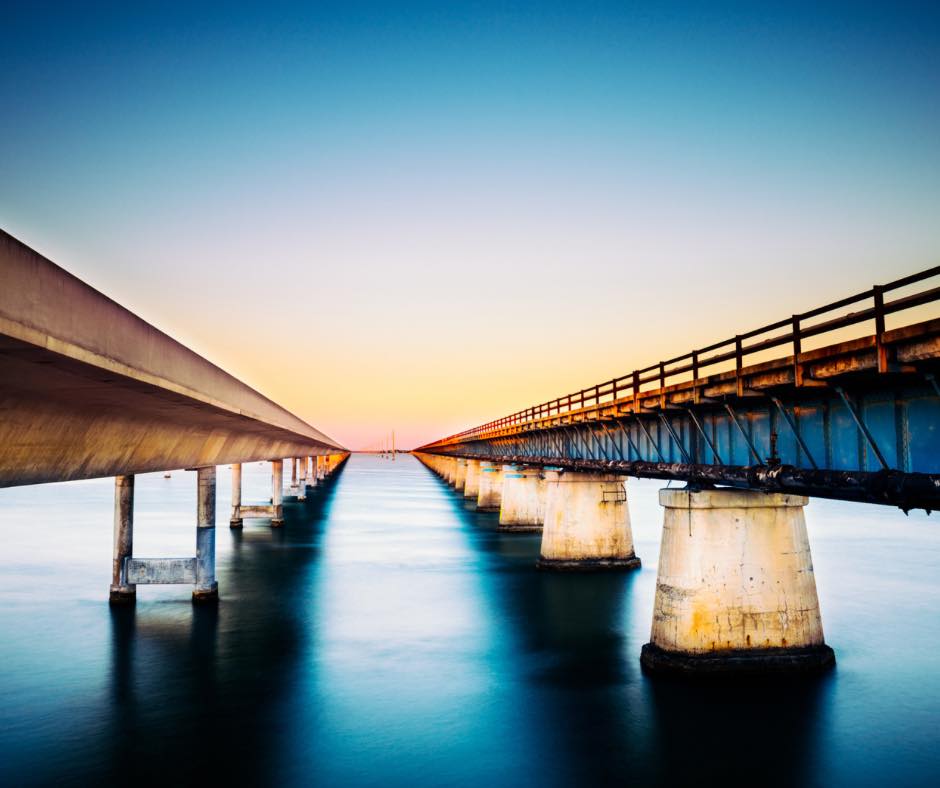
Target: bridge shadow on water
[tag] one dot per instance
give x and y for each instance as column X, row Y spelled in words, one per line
column 223, row 682
column 594, row 717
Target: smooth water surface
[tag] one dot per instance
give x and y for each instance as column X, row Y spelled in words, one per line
column 388, row 635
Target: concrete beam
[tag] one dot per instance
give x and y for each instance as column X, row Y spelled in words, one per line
column 89, row 390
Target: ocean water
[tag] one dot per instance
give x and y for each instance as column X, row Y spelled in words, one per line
column 388, row 635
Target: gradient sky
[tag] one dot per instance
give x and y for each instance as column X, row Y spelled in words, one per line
column 426, row 216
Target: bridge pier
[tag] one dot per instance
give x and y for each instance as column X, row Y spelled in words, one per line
column 491, row 487
column 293, row 476
column 122, row 592
column 471, row 487
column 302, row 478
column 460, row 478
column 522, row 507
column 236, row 519
column 206, row 588
column 735, row 590
column 128, row 572
column 310, row 464
column 450, row 470
column 587, row 523
column 277, row 493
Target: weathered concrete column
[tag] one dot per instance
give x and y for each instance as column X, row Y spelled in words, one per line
column 735, row 590
column 302, row 479
column 471, row 487
column 449, row 469
column 206, row 588
column 277, row 493
column 460, row 474
column 522, row 507
column 587, row 523
column 293, row 476
column 311, row 472
column 491, row 487
column 121, row 591
column 236, row 519
column 321, row 468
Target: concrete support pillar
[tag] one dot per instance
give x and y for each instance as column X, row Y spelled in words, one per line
column 491, row 487
column 321, row 468
column 471, row 487
column 236, row 519
column 522, row 507
column 301, row 478
column 122, row 591
column 311, row 463
column 735, row 590
column 293, row 475
column 460, row 474
column 206, row 589
column 587, row 523
column 277, row 493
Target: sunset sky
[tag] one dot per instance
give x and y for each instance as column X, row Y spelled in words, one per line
column 421, row 217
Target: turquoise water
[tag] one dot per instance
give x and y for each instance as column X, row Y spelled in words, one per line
column 388, row 635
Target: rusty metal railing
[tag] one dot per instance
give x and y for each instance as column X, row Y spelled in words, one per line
column 736, row 349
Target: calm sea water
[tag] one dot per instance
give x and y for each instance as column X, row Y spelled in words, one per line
column 389, row 636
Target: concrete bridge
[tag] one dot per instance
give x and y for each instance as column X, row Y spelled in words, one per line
column 88, row 389
column 753, row 425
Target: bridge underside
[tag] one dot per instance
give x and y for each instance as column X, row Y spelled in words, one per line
column 847, row 431
column 63, row 419
column 88, row 389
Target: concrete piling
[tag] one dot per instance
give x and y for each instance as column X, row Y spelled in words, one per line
column 587, row 523
column 490, row 484
column 471, row 488
column 301, row 478
column 522, row 507
column 206, row 588
column 236, row 519
column 460, row 474
column 735, row 590
column 277, row 493
column 121, row 591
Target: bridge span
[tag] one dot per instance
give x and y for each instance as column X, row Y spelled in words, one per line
column 89, row 390
column 754, row 425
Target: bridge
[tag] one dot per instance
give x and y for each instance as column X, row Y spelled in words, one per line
column 841, row 401
column 89, row 390
column 754, row 425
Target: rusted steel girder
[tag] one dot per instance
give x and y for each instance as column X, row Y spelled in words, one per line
column 889, row 487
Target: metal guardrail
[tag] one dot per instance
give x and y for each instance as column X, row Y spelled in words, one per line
column 733, row 349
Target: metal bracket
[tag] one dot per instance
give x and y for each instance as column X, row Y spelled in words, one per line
column 675, row 437
column 747, row 438
column 796, row 432
column 861, row 426
column 701, row 430
column 649, row 437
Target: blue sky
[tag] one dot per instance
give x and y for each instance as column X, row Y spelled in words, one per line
column 424, row 183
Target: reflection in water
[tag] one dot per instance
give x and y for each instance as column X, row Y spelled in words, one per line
column 389, row 635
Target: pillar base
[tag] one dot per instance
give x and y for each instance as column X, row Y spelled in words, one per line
column 809, row 659
column 588, row 564
column 121, row 596
column 519, row 529
column 277, row 523
column 206, row 595
column 235, row 523
column 488, row 508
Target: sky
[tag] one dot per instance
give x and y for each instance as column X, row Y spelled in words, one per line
column 420, row 217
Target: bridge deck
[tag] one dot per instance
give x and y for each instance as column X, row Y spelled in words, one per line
column 88, row 389
column 857, row 419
